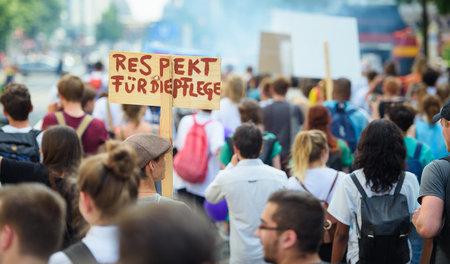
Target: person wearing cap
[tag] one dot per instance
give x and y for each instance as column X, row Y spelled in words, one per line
column 150, row 150
column 435, row 201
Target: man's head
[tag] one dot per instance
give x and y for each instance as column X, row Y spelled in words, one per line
column 342, row 90
column 292, row 223
column 248, row 141
column 150, row 150
column 16, row 101
column 402, row 115
column 32, row 219
column 165, row 233
column 71, row 88
column 444, row 116
column 430, row 77
column 88, row 99
column 281, row 85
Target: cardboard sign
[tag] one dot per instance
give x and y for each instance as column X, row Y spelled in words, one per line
column 142, row 79
column 275, row 53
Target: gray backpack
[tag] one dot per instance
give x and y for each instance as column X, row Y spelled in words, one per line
column 383, row 235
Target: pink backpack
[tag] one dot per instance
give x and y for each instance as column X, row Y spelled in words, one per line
column 191, row 162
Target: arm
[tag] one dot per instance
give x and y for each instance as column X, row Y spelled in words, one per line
column 427, row 248
column 427, row 219
column 276, row 162
column 340, row 242
column 214, row 193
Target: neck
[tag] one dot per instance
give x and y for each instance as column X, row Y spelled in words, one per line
column 73, row 109
column 301, row 259
column 23, row 260
column 19, row 124
column 279, row 97
column 146, row 188
column 317, row 164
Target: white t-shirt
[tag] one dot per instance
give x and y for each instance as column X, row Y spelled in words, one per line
column 346, row 202
column 318, row 181
column 228, row 114
column 215, row 132
column 102, row 241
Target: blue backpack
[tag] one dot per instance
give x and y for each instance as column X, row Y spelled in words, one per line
column 341, row 126
column 413, row 165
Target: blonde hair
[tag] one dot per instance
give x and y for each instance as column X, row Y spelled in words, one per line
column 308, row 147
column 235, row 88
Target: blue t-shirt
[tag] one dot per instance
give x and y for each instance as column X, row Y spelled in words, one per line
column 432, row 136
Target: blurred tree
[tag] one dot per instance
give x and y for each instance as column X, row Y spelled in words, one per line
column 443, row 7
column 32, row 16
column 109, row 28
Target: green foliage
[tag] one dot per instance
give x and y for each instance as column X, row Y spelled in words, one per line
column 32, row 16
column 110, row 28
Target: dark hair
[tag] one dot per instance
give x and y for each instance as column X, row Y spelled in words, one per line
column 319, row 118
column 402, row 115
column 248, row 140
column 147, row 230
column 281, row 85
column 250, row 111
column 381, row 154
column 37, row 215
column 133, row 112
column 62, row 151
column 71, row 88
column 89, row 94
column 16, row 101
column 371, row 75
column 303, row 213
column 431, row 105
column 98, row 66
column 111, row 179
column 342, row 89
column 430, row 77
column 390, row 69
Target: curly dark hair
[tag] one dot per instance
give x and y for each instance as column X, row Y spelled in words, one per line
column 381, row 154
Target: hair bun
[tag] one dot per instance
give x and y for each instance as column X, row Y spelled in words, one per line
column 121, row 161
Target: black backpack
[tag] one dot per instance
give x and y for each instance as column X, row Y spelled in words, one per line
column 441, row 243
column 383, row 235
column 267, row 149
column 79, row 253
column 20, row 146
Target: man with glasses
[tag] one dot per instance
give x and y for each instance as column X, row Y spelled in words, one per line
column 291, row 228
column 246, row 184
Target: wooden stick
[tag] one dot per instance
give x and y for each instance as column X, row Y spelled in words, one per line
column 328, row 80
column 165, row 122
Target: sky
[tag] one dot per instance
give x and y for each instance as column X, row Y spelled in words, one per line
column 147, row 10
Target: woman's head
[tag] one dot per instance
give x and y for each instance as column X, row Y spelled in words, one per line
column 235, row 88
column 62, row 150
column 319, row 118
column 110, row 179
column 133, row 113
column 431, row 105
column 381, row 154
column 391, row 86
column 250, row 111
column 309, row 146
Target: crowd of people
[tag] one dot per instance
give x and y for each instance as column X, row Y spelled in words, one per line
column 280, row 172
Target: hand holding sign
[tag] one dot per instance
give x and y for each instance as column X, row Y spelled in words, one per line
column 166, row 81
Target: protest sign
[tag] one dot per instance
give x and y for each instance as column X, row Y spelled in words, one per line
column 167, row 81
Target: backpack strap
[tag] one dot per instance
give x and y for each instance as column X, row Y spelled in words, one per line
column 79, row 253
column 84, row 124
column 332, row 185
column 358, row 185
column 203, row 125
column 60, row 118
column 230, row 143
column 399, row 184
column 418, row 150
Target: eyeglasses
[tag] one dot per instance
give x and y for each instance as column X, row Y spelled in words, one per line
column 263, row 227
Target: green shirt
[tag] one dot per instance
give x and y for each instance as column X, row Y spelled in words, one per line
column 226, row 153
column 346, row 153
column 426, row 154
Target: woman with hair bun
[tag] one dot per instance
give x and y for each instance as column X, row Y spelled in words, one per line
column 108, row 183
column 310, row 173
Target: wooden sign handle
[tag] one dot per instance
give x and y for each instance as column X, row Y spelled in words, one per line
column 165, row 130
column 328, row 80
